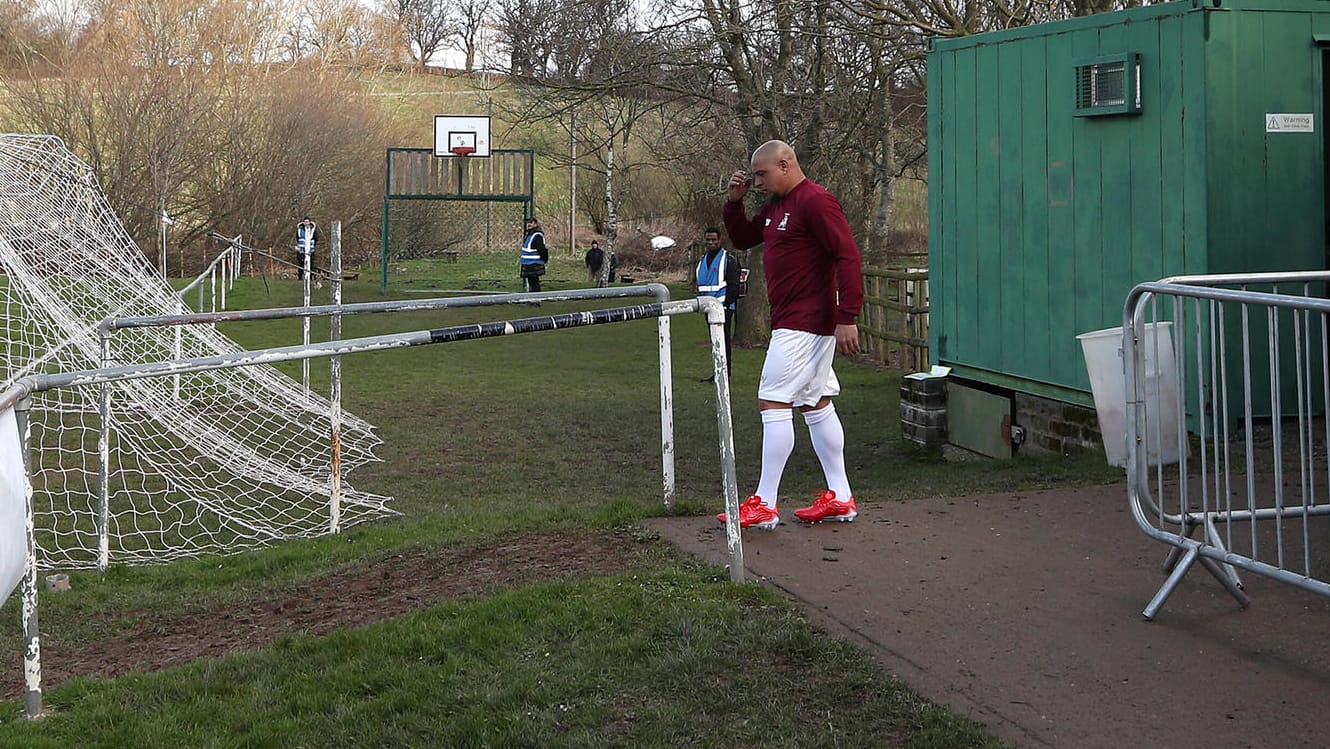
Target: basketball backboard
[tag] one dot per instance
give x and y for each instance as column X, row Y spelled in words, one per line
column 461, row 135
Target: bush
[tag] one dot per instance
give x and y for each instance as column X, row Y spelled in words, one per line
column 636, row 257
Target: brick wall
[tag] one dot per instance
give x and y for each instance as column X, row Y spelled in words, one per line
column 924, row 410
column 1051, row 426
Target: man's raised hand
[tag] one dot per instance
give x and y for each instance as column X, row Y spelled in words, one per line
column 738, row 187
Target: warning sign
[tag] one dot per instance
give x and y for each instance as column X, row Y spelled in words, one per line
column 1290, row 123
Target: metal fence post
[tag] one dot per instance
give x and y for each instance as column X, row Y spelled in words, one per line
column 304, row 369
column 161, row 263
column 32, row 649
column 104, row 462
column 666, row 410
column 335, row 374
column 383, row 249
column 715, row 313
column 179, row 350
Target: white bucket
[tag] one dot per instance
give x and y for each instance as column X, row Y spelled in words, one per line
column 1104, row 362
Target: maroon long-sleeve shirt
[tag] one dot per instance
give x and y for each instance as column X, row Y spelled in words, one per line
column 810, row 256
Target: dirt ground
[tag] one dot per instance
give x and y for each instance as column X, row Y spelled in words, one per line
column 401, row 584
column 1024, row 611
column 1021, row 610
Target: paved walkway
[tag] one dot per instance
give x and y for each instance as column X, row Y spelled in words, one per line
column 1023, row 611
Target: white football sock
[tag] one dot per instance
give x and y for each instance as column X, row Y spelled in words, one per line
column 824, row 428
column 777, row 444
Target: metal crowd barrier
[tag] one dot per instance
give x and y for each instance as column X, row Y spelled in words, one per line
column 1227, row 381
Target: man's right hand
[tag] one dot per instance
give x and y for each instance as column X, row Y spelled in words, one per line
column 738, row 187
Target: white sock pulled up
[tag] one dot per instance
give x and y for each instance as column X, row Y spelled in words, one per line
column 777, row 444
column 828, row 436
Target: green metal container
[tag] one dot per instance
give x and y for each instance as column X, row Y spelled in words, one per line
column 1072, row 160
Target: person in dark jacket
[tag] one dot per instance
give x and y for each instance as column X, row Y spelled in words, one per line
column 534, row 255
column 595, row 260
column 718, row 276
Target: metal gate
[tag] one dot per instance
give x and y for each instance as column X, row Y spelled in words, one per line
column 1252, row 381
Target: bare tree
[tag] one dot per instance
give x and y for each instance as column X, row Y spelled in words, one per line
column 471, row 18
column 18, row 31
column 594, row 71
column 344, row 31
column 424, row 24
column 527, row 32
column 157, row 101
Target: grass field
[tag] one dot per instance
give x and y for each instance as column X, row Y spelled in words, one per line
column 552, row 433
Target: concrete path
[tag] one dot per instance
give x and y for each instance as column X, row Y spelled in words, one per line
column 1023, row 611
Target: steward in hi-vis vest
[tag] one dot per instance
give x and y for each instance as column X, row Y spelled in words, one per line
column 718, row 276
column 534, row 255
column 713, row 274
column 307, row 240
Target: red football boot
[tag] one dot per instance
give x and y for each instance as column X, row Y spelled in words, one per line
column 826, row 507
column 754, row 514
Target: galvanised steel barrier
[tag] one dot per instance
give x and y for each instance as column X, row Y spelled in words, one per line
column 19, row 398
column 1246, row 409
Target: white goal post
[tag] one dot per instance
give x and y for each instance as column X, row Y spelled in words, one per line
column 19, row 396
column 229, row 460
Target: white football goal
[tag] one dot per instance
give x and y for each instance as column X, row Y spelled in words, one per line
column 230, row 459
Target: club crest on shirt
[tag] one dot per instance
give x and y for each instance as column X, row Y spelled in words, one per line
column 783, row 222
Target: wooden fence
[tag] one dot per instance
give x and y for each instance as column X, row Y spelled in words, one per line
column 894, row 321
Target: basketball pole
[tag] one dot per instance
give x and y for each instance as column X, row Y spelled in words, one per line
column 383, row 230
column 489, row 206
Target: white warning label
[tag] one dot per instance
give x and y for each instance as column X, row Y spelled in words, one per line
column 1290, row 123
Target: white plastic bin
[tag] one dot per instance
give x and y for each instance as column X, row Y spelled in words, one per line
column 1104, row 361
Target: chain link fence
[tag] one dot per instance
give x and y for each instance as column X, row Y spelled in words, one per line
column 441, row 228
column 442, row 207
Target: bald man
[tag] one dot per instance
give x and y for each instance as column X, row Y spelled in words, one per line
column 816, row 290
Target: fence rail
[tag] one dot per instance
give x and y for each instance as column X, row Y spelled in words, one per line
column 894, row 321
column 220, row 274
column 18, row 397
column 1226, row 384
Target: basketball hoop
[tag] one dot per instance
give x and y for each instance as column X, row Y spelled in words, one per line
column 462, row 142
column 461, row 136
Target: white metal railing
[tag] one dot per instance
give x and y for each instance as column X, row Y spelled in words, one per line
column 335, row 312
column 224, row 268
column 19, row 397
column 1246, row 407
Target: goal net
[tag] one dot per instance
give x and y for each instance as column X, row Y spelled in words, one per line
column 212, row 462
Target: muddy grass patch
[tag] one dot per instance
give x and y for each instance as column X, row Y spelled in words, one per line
column 397, row 585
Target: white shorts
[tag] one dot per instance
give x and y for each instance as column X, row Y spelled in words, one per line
column 798, row 368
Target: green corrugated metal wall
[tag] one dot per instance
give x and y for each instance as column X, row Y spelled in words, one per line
column 1041, row 222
